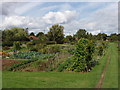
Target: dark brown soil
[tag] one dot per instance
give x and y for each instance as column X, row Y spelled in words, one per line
column 8, row 63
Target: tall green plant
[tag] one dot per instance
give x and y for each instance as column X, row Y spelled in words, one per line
column 82, row 58
column 16, row 45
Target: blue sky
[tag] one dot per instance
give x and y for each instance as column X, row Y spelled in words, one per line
column 95, row 17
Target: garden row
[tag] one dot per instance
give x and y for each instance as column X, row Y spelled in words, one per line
column 32, row 59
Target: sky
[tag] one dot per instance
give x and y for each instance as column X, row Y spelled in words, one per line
column 95, row 17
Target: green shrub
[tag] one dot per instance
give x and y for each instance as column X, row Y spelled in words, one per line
column 16, row 45
column 66, row 65
column 60, row 68
column 50, row 49
column 81, row 61
column 7, row 43
column 100, row 50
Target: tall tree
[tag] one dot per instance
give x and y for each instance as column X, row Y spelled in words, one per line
column 39, row 34
column 102, row 36
column 113, row 37
column 14, row 34
column 89, row 36
column 81, row 33
column 56, row 34
column 32, row 34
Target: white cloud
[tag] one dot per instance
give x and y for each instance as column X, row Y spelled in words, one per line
column 59, row 17
column 95, row 32
column 35, row 24
column 39, row 23
column 16, row 8
column 102, row 20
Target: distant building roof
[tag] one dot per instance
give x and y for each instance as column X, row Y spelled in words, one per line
column 33, row 38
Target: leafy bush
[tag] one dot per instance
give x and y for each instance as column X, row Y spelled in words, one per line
column 7, row 43
column 104, row 44
column 81, row 61
column 66, row 64
column 50, row 49
column 16, row 45
column 32, row 46
column 71, row 51
column 61, row 68
column 100, row 50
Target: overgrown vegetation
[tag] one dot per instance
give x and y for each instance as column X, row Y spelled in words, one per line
column 78, row 53
column 83, row 56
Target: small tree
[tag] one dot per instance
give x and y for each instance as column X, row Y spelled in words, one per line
column 81, row 33
column 56, row 34
column 32, row 34
column 40, row 34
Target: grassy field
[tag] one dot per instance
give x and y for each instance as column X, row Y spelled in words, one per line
column 66, row 79
column 111, row 76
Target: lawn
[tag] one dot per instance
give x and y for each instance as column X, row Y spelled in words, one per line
column 66, row 79
column 111, row 77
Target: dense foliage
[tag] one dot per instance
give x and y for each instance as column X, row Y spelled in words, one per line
column 13, row 34
column 81, row 61
column 16, row 45
column 56, row 34
column 79, row 52
column 85, row 56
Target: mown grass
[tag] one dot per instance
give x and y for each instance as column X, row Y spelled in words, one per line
column 56, row 79
column 111, row 76
column 0, row 79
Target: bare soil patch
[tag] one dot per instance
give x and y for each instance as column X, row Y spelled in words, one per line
column 8, row 63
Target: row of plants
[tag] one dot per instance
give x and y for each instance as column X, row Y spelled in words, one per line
column 83, row 56
column 40, row 57
column 26, row 55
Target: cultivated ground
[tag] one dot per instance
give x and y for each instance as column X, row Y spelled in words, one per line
column 108, row 67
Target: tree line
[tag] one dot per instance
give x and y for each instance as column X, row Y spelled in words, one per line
column 55, row 35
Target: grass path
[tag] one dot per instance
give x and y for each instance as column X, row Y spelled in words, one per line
column 99, row 85
column 111, row 75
